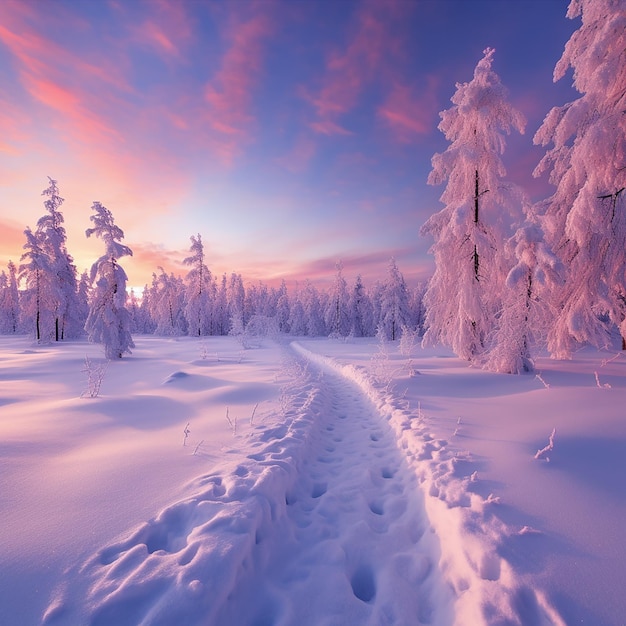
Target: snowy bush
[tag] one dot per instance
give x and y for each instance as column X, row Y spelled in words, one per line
column 95, row 376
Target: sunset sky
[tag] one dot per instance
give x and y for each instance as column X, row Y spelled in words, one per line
column 289, row 134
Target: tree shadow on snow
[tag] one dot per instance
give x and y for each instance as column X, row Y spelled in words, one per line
column 143, row 412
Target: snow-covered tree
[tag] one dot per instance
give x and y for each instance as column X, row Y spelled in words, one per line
column 585, row 218
column 395, row 313
column 462, row 297
column 282, row 308
column 199, row 297
column 167, row 305
column 108, row 321
column 35, row 271
column 221, row 319
column 526, row 310
column 236, row 301
column 9, row 301
column 297, row 316
column 337, row 313
column 418, row 309
column 313, row 310
column 361, row 311
column 63, row 283
column 83, row 294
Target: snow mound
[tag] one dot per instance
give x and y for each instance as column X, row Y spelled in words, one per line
column 181, row 566
column 192, row 382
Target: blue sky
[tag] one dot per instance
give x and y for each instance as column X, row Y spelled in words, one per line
column 290, row 134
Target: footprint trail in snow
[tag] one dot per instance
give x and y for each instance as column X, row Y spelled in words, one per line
column 354, row 546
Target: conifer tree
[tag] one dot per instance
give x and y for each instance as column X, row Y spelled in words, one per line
column 38, row 299
column 63, row 283
column 469, row 232
column 199, row 300
column 585, row 218
column 108, row 321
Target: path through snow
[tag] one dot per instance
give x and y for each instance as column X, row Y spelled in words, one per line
column 321, row 523
column 354, row 546
column 340, row 508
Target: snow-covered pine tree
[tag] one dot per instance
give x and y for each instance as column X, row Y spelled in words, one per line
column 526, row 311
column 236, row 302
column 337, row 315
column 361, row 311
column 395, row 313
column 462, row 297
column 38, row 299
column 199, row 300
column 221, row 318
column 283, row 308
column 108, row 321
column 167, row 305
column 313, row 310
column 297, row 316
column 585, row 218
column 63, row 281
column 9, row 301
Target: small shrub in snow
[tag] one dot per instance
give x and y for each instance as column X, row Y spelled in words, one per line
column 95, row 376
column 186, row 433
column 253, row 412
column 543, row 453
column 232, row 421
column 195, row 450
column 408, row 341
column 381, row 366
column 599, row 384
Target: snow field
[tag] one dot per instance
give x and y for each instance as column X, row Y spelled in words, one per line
column 346, row 486
column 321, row 524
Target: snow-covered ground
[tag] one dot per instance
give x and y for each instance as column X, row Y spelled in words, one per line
column 319, row 482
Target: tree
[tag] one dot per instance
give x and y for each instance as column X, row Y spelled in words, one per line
column 469, row 232
column 36, row 272
column 108, row 321
column 361, row 311
column 585, row 218
column 313, row 310
column 337, row 316
column 167, row 305
column 283, row 308
column 526, row 313
column 9, row 301
column 199, row 298
column 395, row 313
column 63, row 282
column 297, row 316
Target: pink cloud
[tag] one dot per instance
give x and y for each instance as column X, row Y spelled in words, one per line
column 409, row 114
column 167, row 30
column 327, row 127
column 83, row 96
column 371, row 267
column 13, row 125
column 229, row 94
column 147, row 257
column 371, row 53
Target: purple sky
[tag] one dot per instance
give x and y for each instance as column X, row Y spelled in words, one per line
column 290, row 134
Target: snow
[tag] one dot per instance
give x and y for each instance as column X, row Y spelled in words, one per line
column 321, row 482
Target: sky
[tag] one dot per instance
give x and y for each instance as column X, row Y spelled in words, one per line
column 291, row 134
